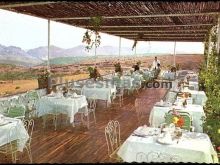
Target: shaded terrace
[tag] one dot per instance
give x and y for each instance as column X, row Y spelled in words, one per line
column 140, row 21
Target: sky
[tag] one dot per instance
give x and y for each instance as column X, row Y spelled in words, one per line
column 29, row 32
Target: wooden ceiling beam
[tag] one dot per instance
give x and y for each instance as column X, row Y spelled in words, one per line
column 140, row 16
column 24, row 4
column 171, row 34
column 142, row 26
column 152, row 31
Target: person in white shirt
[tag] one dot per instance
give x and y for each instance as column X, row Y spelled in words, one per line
column 155, row 63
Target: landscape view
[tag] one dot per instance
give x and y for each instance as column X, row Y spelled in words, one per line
column 109, row 82
column 19, row 69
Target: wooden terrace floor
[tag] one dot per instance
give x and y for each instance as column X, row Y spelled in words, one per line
column 80, row 145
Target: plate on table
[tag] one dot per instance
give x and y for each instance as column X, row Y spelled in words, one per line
column 4, row 122
column 164, row 141
column 75, row 97
column 50, row 95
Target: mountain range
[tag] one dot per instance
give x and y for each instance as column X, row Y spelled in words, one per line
column 36, row 56
column 18, row 56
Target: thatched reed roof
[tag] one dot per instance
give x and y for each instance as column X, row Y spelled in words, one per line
column 137, row 20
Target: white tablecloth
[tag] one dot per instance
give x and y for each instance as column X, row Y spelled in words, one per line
column 199, row 97
column 167, row 75
column 194, row 85
column 192, row 147
column 69, row 106
column 101, row 92
column 18, row 132
column 157, row 115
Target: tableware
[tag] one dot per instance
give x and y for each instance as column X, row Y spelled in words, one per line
column 165, row 138
column 4, row 123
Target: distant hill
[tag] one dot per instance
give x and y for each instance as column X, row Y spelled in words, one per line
column 38, row 56
column 17, row 56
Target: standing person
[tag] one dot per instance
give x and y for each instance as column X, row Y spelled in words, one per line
column 155, row 63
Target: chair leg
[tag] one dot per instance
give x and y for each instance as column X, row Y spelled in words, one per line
column 44, row 121
column 55, row 122
column 120, row 100
column 94, row 116
column 88, row 121
column 28, row 148
column 14, row 157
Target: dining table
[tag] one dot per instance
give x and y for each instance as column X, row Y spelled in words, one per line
column 199, row 97
column 63, row 105
column 100, row 90
column 157, row 114
column 147, row 144
column 17, row 132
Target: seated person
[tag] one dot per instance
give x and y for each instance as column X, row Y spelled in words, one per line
column 97, row 73
column 55, row 92
column 65, row 91
column 136, row 67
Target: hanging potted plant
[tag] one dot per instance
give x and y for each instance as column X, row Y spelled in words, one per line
column 134, row 45
column 140, row 36
column 92, row 37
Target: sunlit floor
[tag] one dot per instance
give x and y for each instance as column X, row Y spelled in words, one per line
column 80, row 145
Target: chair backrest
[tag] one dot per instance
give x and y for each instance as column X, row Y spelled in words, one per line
column 140, row 106
column 14, row 102
column 112, row 134
column 3, row 108
column 92, row 103
column 120, row 90
column 16, row 112
column 32, row 95
column 29, row 126
column 187, row 119
column 171, row 97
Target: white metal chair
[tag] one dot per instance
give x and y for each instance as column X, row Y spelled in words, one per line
column 140, row 108
column 11, row 147
column 113, row 139
column 17, row 112
column 29, row 126
column 55, row 114
column 89, row 109
column 120, row 95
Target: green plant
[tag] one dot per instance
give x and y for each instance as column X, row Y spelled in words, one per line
column 118, row 67
column 91, row 72
column 209, row 80
column 134, row 45
column 92, row 37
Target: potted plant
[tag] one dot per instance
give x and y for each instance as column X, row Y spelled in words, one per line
column 92, row 37
column 93, row 73
column 118, row 68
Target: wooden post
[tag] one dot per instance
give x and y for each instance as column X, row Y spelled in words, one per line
column 209, row 41
column 119, row 53
column 174, row 55
column 49, row 85
column 48, row 47
column 95, row 53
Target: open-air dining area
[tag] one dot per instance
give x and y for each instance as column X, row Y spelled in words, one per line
column 124, row 109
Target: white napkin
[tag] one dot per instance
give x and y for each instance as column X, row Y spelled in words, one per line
column 2, row 118
column 75, row 95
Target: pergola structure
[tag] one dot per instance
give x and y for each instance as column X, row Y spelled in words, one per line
column 136, row 20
